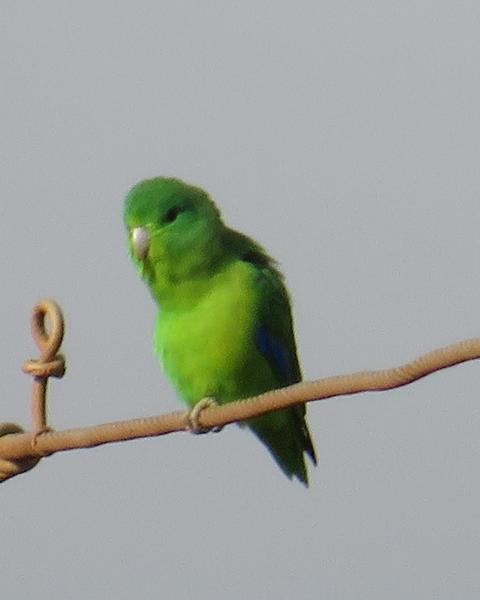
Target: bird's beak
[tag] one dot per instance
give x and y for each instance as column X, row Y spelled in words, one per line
column 140, row 242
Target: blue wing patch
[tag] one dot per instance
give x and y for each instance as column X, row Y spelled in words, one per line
column 275, row 353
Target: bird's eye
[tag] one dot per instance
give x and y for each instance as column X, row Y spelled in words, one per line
column 172, row 214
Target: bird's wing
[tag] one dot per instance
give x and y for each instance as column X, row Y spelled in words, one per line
column 274, row 335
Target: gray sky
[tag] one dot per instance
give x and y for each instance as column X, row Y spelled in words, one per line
column 345, row 137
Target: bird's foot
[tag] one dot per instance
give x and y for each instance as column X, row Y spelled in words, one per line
column 193, row 416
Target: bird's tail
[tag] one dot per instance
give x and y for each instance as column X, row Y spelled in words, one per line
column 285, row 433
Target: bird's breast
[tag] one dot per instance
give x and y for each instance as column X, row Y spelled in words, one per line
column 208, row 349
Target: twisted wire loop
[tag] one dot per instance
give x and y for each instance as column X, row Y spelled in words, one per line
column 50, row 363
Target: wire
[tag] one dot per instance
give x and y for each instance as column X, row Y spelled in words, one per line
column 20, row 451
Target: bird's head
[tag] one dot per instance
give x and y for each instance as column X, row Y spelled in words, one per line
column 174, row 230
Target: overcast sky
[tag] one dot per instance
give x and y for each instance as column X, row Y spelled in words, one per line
column 345, row 137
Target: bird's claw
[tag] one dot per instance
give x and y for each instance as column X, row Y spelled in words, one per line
column 192, row 416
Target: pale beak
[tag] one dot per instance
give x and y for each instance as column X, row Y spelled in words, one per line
column 140, row 242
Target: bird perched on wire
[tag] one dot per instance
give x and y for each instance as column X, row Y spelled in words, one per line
column 224, row 326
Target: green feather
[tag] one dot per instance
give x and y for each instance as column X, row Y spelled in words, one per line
column 224, row 327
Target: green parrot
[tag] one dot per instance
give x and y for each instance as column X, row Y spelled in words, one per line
column 224, row 327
